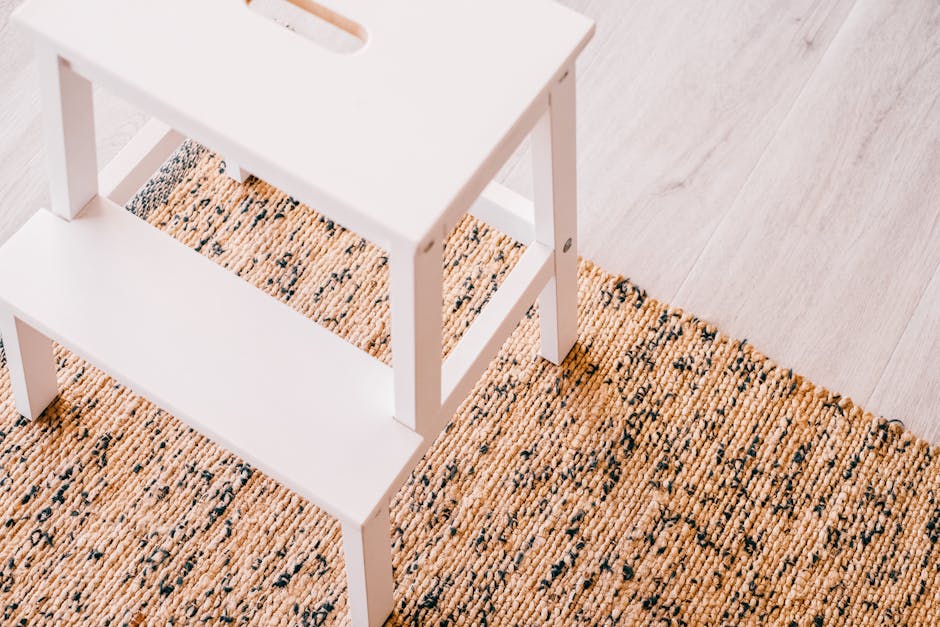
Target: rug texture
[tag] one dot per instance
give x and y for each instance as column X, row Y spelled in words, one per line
column 664, row 474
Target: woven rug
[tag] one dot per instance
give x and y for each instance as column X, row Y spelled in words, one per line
column 664, row 474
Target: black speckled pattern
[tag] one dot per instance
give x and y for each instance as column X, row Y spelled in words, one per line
column 664, row 474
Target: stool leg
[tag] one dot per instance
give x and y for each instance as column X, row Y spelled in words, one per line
column 69, row 120
column 416, row 280
column 31, row 365
column 369, row 569
column 235, row 171
column 555, row 186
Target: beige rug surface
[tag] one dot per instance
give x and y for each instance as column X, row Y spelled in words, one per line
column 664, row 474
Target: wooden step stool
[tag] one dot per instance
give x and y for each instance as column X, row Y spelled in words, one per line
column 395, row 141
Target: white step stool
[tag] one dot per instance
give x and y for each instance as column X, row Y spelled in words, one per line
column 394, row 141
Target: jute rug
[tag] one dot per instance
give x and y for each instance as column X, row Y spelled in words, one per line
column 664, row 474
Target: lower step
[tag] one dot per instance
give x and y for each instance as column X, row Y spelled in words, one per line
column 291, row 398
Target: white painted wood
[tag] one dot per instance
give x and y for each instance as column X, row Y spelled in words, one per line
column 70, row 133
column 143, row 155
column 31, row 365
column 235, row 171
column 909, row 387
column 507, row 211
column 479, row 344
column 244, row 369
column 824, row 256
column 368, row 556
column 676, row 103
column 350, row 386
column 402, row 128
column 554, row 169
column 416, row 290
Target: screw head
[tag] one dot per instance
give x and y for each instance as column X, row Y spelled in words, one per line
column 567, row 246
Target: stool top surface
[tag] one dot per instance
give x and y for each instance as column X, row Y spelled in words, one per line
column 390, row 140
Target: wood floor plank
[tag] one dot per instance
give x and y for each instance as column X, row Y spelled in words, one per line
column 677, row 100
column 21, row 170
column 909, row 387
column 826, row 252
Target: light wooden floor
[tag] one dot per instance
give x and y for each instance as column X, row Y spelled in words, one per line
column 773, row 167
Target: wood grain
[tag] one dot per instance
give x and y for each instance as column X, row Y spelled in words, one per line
column 677, row 100
column 826, row 252
column 909, row 387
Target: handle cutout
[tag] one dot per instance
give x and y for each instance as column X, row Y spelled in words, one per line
column 315, row 22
